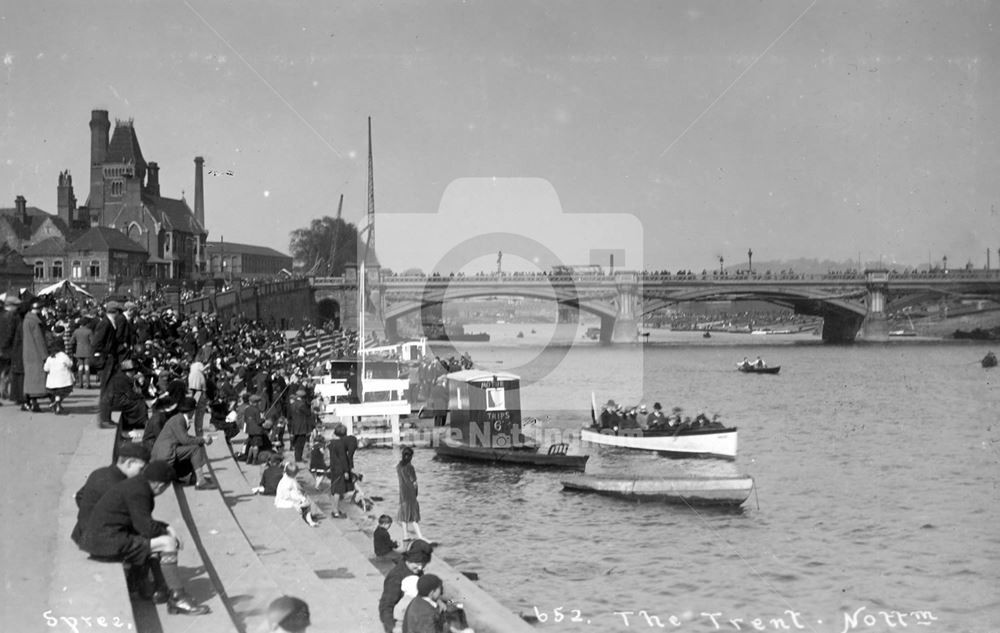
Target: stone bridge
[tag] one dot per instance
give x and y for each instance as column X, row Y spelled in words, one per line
column 853, row 306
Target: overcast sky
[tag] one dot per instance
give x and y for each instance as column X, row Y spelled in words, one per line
column 797, row 128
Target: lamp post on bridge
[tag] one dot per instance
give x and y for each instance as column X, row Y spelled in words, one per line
column 944, row 261
column 750, row 260
column 721, row 261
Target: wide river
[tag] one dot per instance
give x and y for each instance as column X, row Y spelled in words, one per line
column 876, row 503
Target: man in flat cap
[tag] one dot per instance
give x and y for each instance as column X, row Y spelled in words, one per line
column 124, row 395
column 132, row 458
column 121, row 528
column 183, row 451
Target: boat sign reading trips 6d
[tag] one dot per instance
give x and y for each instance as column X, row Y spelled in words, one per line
column 860, row 619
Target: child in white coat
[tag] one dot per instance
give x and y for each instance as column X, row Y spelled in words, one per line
column 59, row 377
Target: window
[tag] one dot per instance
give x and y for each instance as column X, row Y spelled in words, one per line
column 57, row 269
column 117, row 188
column 39, row 269
column 168, row 242
column 95, row 268
column 77, row 269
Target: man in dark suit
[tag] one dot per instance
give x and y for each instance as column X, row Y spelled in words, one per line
column 123, row 395
column 111, row 346
column 132, row 458
column 301, row 423
column 121, row 528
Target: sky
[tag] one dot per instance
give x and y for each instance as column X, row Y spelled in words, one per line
column 679, row 131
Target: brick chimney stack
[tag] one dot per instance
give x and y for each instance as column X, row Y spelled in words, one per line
column 21, row 210
column 199, row 190
column 66, row 199
column 100, row 129
column 153, row 179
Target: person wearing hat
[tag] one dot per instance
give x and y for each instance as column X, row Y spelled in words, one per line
column 413, row 562
column 301, row 422
column 124, row 395
column 186, row 453
column 164, row 408
column 341, row 449
column 10, row 325
column 288, row 614
column 656, row 419
column 132, row 458
column 121, row 528
column 34, row 351
column 111, row 346
column 253, row 426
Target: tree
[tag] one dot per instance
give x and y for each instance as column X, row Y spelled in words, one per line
column 311, row 246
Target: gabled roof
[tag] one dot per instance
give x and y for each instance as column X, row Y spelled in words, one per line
column 35, row 219
column 173, row 214
column 234, row 248
column 48, row 246
column 103, row 238
column 124, row 148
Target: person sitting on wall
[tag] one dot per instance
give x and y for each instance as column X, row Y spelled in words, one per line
column 182, row 451
column 121, row 528
column 132, row 458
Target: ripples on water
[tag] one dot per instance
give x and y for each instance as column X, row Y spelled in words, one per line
column 877, row 482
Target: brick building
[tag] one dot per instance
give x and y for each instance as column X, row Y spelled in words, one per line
column 229, row 260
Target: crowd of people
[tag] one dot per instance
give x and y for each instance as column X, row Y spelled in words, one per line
column 616, row 417
column 173, row 377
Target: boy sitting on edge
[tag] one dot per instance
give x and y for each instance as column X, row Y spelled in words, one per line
column 270, row 476
column 385, row 547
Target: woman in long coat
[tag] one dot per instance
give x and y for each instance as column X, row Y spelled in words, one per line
column 409, row 508
column 34, row 353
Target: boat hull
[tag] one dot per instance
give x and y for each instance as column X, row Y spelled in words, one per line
column 694, row 443
column 760, row 370
column 520, row 457
column 703, row 491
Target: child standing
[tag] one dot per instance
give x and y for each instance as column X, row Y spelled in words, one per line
column 59, row 377
column 317, row 460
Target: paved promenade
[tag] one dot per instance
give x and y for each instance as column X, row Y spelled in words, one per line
column 240, row 551
column 36, row 449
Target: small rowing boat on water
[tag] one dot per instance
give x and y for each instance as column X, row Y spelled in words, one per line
column 751, row 369
column 722, row 491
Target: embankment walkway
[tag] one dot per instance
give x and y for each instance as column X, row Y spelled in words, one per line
column 240, row 552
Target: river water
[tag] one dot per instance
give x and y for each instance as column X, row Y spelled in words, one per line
column 876, row 503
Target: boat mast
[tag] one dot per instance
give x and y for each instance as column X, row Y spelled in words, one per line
column 363, row 298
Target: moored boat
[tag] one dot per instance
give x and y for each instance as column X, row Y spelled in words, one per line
column 990, row 360
column 721, row 491
column 484, row 424
column 692, row 442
